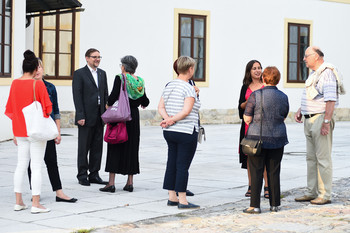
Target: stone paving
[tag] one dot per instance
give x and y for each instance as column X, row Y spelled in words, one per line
column 216, row 179
column 293, row 217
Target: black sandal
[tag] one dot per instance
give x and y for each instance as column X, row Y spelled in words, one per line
column 249, row 192
column 266, row 195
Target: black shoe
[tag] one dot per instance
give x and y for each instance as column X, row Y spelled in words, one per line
column 275, row 208
column 97, row 180
column 84, row 182
column 252, row 211
column 173, row 203
column 110, row 189
column 249, row 192
column 189, row 206
column 128, row 188
column 72, row 200
column 188, row 193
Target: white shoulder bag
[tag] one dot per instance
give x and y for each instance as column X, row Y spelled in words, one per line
column 39, row 128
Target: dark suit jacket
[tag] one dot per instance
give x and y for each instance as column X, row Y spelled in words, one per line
column 85, row 95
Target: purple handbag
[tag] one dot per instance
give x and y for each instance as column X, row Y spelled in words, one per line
column 120, row 110
column 116, row 133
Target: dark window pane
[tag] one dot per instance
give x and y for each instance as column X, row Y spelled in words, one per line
column 199, row 69
column 302, row 52
column 293, row 53
column 292, row 72
column 65, row 42
column 65, row 65
column 293, row 34
column 304, row 71
column 7, row 59
column 7, row 30
column 199, row 28
column 185, row 26
column 185, row 47
column 49, row 41
column 0, row 30
column 8, row 8
column 49, row 64
column 198, row 50
column 304, row 35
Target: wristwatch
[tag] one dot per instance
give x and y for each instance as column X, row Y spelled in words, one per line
column 326, row 121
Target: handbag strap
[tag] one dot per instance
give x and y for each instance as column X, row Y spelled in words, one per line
column 261, row 112
column 34, row 90
column 124, row 82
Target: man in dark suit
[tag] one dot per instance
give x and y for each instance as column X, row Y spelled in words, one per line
column 90, row 93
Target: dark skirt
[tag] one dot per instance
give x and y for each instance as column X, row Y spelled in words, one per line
column 123, row 158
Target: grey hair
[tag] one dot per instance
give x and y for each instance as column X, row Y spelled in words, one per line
column 130, row 63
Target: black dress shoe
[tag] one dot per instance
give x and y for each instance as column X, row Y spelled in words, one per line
column 173, row 203
column 275, row 208
column 97, row 180
column 128, row 188
column 188, row 193
column 110, row 189
column 84, row 182
column 189, row 206
column 252, row 211
column 72, row 200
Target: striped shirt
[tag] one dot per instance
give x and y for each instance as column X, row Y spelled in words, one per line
column 174, row 96
column 327, row 89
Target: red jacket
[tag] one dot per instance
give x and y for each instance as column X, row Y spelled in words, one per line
column 21, row 95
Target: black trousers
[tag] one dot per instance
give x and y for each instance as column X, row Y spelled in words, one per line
column 50, row 159
column 90, row 141
column 181, row 149
column 271, row 158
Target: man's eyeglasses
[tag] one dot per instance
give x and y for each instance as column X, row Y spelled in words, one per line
column 308, row 55
column 96, row 57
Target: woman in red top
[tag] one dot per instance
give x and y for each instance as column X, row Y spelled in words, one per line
column 21, row 95
column 252, row 81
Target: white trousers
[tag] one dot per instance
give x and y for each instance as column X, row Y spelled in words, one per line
column 33, row 151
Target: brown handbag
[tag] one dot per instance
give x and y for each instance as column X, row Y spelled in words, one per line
column 252, row 147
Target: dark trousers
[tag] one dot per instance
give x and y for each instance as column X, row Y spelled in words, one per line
column 50, row 159
column 90, row 141
column 181, row 149
column 271, row 158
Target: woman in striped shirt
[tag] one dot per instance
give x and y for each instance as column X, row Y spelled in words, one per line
column 179, row 106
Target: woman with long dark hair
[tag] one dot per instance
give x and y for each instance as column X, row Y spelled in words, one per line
column 252, row 81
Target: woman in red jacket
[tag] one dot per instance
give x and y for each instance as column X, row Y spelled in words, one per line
column 21, row 95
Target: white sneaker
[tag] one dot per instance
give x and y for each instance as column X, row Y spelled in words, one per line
column 20, row 207
column 36, row 210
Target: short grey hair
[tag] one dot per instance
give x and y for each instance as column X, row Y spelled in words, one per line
column 130, row 63
column 184, row 63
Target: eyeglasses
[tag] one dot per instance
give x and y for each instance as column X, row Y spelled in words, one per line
column 308, row 55
column 96, row 57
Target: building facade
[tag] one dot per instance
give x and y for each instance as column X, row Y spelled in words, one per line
column 221, row 35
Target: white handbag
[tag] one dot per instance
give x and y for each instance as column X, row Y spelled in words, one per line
column 39, row 128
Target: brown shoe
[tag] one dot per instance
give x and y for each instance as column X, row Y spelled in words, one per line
column 320, row 201
column 304, row 198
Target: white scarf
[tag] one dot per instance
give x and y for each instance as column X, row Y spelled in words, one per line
column 310, row 83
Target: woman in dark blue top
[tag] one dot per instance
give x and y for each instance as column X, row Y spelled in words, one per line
column 274, row 137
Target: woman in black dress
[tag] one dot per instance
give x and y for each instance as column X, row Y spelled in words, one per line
column 123, row 158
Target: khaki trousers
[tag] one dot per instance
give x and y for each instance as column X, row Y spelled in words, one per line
column 318, row 158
